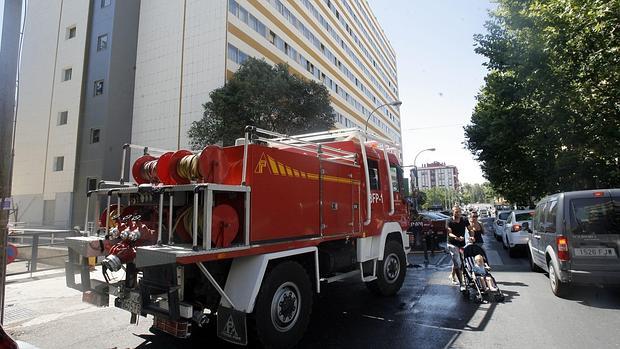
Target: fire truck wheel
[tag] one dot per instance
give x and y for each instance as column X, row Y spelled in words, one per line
column 283, row 305
column 390, row 271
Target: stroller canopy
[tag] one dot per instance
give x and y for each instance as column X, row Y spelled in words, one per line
column 472, row 250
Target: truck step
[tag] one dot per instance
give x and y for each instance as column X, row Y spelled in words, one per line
column 369, row 278
column 341, row 276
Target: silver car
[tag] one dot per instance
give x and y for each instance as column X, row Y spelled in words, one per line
column 575, row 236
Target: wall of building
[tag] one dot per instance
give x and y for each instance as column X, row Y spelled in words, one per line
column 326, row 41
column 180, row 57
column 109, row 112
column 48, row 50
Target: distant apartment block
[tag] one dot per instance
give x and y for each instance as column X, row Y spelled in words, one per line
column 437, row 174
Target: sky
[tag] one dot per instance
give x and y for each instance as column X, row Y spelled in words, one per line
column 439, row 75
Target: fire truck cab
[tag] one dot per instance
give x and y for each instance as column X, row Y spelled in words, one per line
column 245, row 235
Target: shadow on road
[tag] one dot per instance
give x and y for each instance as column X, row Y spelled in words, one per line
column 506, row 283
column 597, row 297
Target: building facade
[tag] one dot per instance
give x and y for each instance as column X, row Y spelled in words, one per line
column 188, row 48
column 75, row 104
column 436, row 174
column 101, row 73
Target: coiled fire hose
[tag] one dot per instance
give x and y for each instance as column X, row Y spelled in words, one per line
column 149, row 171
column 187, row 167
column 186, row 220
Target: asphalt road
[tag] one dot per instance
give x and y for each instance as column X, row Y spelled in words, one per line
column 429, row 312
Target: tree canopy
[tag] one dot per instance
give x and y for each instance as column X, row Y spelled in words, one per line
column 548, row 116
column 265, row 96
column 476, row 193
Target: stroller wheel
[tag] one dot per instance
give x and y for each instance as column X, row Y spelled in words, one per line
column 465, row 293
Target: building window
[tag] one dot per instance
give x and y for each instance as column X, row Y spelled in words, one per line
column 66, row 74
column 98, row 87
column 94, row 135
column 71, row 31
column 59, row 163
column 62, row 117
column 102, row 42
column 91, row 184
column 105, row 3
column 233, row 53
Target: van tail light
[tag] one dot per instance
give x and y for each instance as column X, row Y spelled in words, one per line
column 516, row 228
column 562, row 242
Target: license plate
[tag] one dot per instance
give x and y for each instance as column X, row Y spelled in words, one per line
column 595, row 252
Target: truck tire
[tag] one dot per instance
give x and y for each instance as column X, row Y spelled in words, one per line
column 283, row 306
column 390, row 271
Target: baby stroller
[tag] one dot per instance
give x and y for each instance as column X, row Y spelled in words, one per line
column 473, row 288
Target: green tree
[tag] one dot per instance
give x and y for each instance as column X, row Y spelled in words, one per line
column 548, row 117
column 265, row 96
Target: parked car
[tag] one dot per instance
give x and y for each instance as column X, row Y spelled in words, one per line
column 498, row 224
column 515, row 237
column 430, row 224
column 575, row 237
column 442, row 215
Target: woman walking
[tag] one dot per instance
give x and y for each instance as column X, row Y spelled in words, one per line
column 477, row 230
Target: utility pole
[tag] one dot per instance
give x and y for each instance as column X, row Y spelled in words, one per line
column 9, row 57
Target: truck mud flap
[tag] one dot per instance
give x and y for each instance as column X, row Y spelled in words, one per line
column 232, row 325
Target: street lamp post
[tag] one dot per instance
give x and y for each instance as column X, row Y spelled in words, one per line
column 415, row 174
column 394, row 104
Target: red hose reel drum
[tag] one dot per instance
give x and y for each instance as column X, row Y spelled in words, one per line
column 163, row 168
column 139, row 168
column 213, row 164
column 224, row 225
column 172, row 167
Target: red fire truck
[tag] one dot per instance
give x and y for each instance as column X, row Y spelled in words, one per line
column 245, row 234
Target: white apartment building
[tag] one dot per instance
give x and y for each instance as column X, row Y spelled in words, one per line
column 75, row 104
column 188, row 48
column 437, row 174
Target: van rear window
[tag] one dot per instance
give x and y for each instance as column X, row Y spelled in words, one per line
column 594, row 216
column 527, row 216
column 504, row 215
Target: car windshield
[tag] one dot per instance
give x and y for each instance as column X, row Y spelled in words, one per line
column 595, row 216
column 524, row 216
column 434, row 215
column 504, row 215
